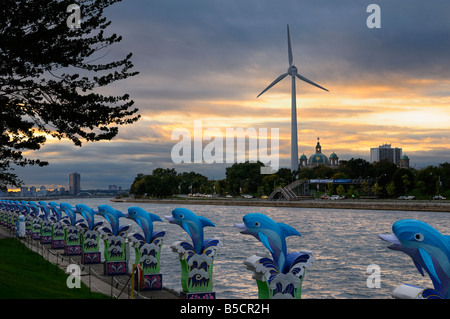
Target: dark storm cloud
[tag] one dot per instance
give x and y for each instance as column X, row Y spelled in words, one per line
column 192, row 52
column 191, row 49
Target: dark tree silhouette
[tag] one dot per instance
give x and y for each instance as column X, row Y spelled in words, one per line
column 51, row 79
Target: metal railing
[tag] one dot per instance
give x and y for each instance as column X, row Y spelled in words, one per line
column 63, row 261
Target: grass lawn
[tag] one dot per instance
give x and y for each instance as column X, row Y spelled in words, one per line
column 26, row 275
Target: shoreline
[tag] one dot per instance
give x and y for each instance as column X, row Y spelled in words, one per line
column 428, row 206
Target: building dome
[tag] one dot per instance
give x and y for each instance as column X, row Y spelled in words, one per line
column 404, row 162
column 333, row 155
column 318, row 158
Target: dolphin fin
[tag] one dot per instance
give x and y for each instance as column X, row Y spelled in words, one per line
column 429, row 263
column 288, row 230
column 206, row 222
column 154, row 218
column 263, row 238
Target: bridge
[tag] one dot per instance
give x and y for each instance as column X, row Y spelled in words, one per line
column 84, row 194
column 288, row 193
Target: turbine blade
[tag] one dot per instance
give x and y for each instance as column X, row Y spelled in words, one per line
column 310, row 82
column 278, row 79
column 289, row 47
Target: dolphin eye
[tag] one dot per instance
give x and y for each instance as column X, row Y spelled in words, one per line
column 419, row 237
column 257, row 224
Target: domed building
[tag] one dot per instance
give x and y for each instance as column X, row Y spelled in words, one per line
column 404, row 162
column 319, row 158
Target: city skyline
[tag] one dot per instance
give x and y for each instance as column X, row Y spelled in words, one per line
column 209, row 61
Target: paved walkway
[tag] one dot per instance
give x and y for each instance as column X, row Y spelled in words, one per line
column 92, row 275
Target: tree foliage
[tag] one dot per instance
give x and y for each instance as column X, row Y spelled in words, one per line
column 244, row 177
column 52, row 79
column 167, row 182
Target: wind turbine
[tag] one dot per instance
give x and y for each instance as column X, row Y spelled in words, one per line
column 292, row 71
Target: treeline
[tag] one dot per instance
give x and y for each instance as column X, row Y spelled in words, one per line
column 245, row 178
column 388, row 179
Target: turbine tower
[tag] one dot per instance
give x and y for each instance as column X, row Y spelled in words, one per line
column 292, row 71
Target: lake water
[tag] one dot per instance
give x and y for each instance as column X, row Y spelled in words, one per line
column 344, row 242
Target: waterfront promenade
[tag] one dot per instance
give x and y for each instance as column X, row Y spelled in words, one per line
column 402, row 205
column 92, row 274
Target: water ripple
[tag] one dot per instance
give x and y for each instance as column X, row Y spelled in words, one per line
column 345, row 243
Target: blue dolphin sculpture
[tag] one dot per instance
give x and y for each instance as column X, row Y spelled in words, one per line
column 192, row 224
column 428, row 248
column 45, row 209
column 34, row 209
column 112, row 216
column 70, row 211
column 145, row 220
column 88, row 214
column 271, row 234
column 25, row 207
column 56, row 211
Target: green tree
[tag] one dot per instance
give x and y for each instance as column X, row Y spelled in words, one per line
column 376, row 189
column 269, row 182
column 444, row 174
column 364, row 187
column 151, row 186
column 192, row 182
column 339, row 175
column 357, row 168
column 331, row 189
column 430, row 177
column 306, row 173
column 167, row 181
column 390, row 188
column 51, row 79
column 245, row 177
column 352, row 192
column 340, row 190
column 322, row 171
column 421, row 187
column 404, row 180
column 134, row 187
column 285, row 174
column 406, row 183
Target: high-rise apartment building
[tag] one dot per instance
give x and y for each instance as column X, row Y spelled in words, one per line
column 74, row 184
column 385, row 151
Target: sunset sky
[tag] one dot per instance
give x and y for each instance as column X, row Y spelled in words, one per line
column 209, row 59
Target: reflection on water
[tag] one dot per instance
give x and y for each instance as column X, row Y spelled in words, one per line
column 344, row 242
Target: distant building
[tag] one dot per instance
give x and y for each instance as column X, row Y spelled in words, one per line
column 404, row 162
column 385, row 151
column 318, row 158
column 24, row 191
column 74, row 184
column 42, row 191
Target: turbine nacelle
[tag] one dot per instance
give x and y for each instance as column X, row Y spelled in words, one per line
column 292, row 70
